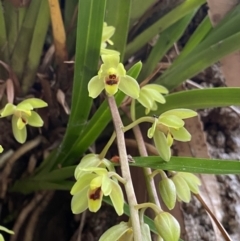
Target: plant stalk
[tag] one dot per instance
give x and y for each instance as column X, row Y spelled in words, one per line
column 152, row 192
column 132, row 201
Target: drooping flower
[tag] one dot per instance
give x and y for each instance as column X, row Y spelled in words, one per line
column 150, row 94
column 23, row 115
column 111, row 77
column 185, row 183
column 169, row 126
column 88, row 191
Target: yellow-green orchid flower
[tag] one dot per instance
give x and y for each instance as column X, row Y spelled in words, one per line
column 111, row 77
column 1, row 149
column 23, row 115
column 88, row 191
column 169, row 126
column 150, row 94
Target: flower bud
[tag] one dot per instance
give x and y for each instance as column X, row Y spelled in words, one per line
column 161, row 144
column 168, row 193
column 167, row 226
column 183, row 191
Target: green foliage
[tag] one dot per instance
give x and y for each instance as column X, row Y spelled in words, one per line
column 22, row 37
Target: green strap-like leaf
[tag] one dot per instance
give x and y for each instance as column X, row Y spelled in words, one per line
column 193, row 64
column 221, row 40
column 22, row 45
column 70, row 12
column 89, row 34
column 117, row 15
column 200, row 33
column 162, row 24
column 190, row 164
column 202, row 98
column 36, row 46
column 166, row 40
column 4, row 53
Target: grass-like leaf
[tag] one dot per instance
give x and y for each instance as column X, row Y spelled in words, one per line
column 4, row 53
column 162, row 24
column 70, row 22
column 120, row 20
column 202, row 50
column 36, row 46
column 190, row 164
column 139, row 7
column 90, row 14
column 22, row 45
column 13, row 19
column 200, row 33
column 166, row 40
column 202, row 98
column 193, row 64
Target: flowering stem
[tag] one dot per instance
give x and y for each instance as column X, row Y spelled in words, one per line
column 132, row 201
column 138, row 121
column 153, row 206
column 147, row 171
column 153, row 197
column 105, row 149
column 124, row 129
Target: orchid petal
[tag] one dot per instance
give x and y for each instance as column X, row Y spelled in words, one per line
column 117, row 197
column 20, row 135
column 129, row 86
column 180, row 113
column 95, row 199
column 8, row 110
column 90, row 160
column 181, row 134
column 144, row 99
column 121, row 70
column 95, row 87
column 106, row 185
column 34, row 102
column 79, row 201
column 171, row 121
column 35, row 120
column 20, row 123
column 111, row 89
column 96, row 183
column 110, row 61
column 115, row 233
column 161, row 144
column 82, row 183
column 155, row 87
